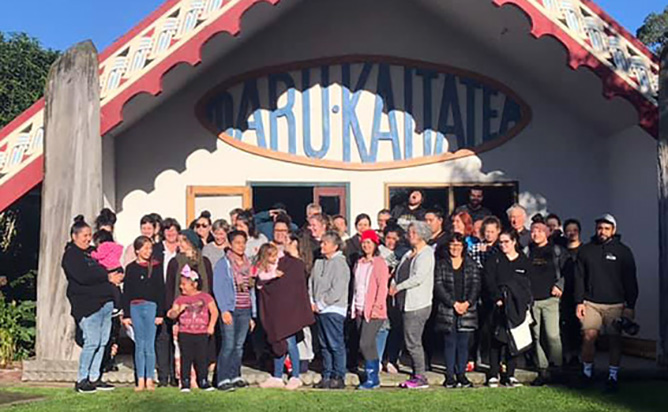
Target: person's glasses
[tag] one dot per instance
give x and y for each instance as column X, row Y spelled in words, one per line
column 201, row 225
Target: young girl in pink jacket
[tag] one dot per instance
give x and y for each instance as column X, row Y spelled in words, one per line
column 369, row 305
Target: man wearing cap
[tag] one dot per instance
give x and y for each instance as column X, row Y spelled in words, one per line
column 606, row 289
column 547, row 284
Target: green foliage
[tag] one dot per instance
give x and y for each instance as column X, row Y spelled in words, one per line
column 654, row 31
column 17, row 320
column 24, row 65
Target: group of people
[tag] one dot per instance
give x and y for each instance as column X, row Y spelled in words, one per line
column 190, row 299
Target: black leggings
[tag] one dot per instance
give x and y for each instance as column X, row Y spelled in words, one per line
column 499, row 351
column 194, row 349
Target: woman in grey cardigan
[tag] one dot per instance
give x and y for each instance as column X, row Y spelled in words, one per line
column 413, row 288
column 328, row 291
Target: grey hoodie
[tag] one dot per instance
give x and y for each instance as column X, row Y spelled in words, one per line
column 328, row 284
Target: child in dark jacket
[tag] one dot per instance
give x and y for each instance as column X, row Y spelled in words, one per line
column 197, row 316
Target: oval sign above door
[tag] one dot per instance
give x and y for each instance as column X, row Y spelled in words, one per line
column 363, row 112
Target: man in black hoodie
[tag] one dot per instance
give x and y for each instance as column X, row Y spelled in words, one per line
column 606, row 289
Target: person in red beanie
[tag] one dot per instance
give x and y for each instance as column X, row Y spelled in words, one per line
column 369, row 305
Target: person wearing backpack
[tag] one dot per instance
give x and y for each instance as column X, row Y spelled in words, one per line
column 547, row 285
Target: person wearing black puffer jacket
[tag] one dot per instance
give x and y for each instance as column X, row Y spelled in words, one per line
column 90, row 291
column 606, row 289
column 456, row 289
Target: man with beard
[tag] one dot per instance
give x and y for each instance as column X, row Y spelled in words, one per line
column 406, row 213
column 606, row 290
column 474, row 207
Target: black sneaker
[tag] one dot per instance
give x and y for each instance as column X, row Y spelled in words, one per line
column 85, row 387
column 163, row 384
column 206, row 386
column 185, row 389
column 450, row 382
column 611, row 386
column 239, row 383
column 337, row 383
column 323, row 384
column 463, row 381
column 226, row 386
column 510, row 382
column 539, row 381
column 584, row 382
column 492, row 382
column 185, row 385
column 173, row 382
column 100, row 385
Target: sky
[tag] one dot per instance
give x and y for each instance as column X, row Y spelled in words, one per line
column 59, row 24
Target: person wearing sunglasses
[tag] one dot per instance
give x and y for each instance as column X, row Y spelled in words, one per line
column 202, row 226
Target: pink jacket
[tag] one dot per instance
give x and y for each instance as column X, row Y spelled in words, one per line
column 108, row 254
column 375, row 301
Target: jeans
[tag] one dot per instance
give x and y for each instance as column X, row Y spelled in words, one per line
column 164, row 350
column 368, row 332
column 96, row 329
column 232, row 348
column 381, row 341
column 414, row 322
column 293, row 352
column 456, row 351
column 193, row 351
column 332, row 346
column 546, row 314
column 143, row 320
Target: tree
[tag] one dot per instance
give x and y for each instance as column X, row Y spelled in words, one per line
column 654, row 31
column 24, row 66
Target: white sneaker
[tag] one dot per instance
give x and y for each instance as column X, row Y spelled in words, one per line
column 293, row 384
column 273, row 383
column 514, row 382
column 493, row 382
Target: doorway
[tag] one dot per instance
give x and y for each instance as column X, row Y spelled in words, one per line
column 332, row 197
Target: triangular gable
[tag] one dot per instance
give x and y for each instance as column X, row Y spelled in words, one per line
column 177, row 30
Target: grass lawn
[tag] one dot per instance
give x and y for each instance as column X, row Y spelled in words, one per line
column 645, row 396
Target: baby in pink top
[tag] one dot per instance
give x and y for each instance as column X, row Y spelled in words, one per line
column 108, row 254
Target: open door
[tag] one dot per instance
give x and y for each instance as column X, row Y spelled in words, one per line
column 219, row 200
column 332, row 199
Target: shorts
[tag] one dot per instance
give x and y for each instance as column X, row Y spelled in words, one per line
column 601, row 314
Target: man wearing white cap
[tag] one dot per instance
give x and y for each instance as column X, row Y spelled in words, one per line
column 606, row 289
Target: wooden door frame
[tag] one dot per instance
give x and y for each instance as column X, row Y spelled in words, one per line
column 345, row 185
column 339, row 190
column 193, row 192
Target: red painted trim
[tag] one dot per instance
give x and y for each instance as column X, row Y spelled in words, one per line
column 18, row 120
column 124, row 39
column 191, row 52
column 620, row 29
column 21, row 183
column 613, row 84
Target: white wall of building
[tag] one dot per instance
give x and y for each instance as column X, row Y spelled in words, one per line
column 632, row 173
column 560, row 161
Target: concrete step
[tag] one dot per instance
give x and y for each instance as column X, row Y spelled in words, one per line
column 66, row 371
